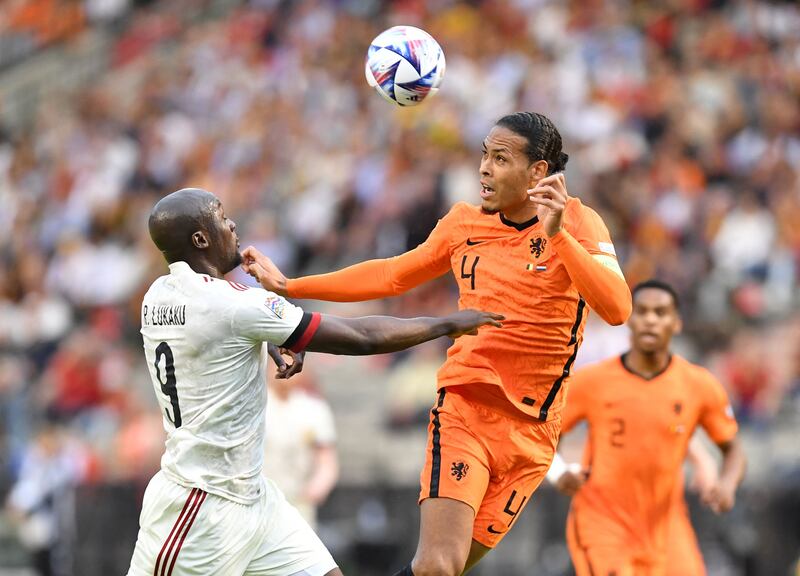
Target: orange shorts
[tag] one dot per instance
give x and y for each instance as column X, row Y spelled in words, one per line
column 486, row 454
column 683, row 552
column 612, row 555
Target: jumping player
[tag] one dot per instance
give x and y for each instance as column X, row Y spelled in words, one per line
column 538, row 256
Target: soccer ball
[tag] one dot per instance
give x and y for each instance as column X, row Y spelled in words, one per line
column 405, row 65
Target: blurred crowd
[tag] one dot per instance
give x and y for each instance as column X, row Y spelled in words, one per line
column 681, row 119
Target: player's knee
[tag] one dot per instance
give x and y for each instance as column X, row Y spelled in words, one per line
column 438, row 564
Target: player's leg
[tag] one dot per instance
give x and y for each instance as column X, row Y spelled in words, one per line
column 476, row 552
column 453, row 483
column 592, row 559
column 444, row 539
column 287, row 544
column 186, row 530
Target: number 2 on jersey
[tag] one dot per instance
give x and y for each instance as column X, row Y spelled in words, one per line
column 618, row 433
column 170, row 387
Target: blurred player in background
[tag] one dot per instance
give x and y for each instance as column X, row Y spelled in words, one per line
column 209, row 510
column 683, row 552
column 300, row 445
column 537, row 255
column 628, row 514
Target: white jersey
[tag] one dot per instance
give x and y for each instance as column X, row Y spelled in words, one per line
column 203, row 338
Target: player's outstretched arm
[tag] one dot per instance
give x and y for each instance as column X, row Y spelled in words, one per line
column 723, row 496
column 381, row 334
column 364, row 281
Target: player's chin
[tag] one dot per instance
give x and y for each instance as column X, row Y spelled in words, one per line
column 236, row 261
column 489, row 207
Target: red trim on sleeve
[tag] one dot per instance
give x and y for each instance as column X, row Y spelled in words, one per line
column 311, row 329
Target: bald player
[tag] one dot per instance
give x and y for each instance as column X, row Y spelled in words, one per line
column 209, row 510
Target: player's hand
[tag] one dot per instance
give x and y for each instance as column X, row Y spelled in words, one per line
column 264, row 270
column 550, row 196
column 721, row 497
column 286, row 370
column 571, row 481
column 467, row 322
column 704, row 478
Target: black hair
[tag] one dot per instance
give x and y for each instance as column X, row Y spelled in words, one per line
column 657, row 285
column 544, row 141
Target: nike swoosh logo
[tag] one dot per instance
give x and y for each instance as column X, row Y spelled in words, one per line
column 493, row 531
column 473, row 243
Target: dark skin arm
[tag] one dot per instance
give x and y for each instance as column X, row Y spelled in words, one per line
column 382, row 334
column 722, row 497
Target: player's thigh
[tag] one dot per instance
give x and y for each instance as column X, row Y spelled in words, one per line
column 287, row 544
column 456, row 463
column 445, row 536
column 594, row 559
column 185, row 531
column 522, row 456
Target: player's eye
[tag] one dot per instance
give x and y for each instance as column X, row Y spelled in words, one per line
column 501, row 159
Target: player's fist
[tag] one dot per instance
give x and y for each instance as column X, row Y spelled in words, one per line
column 721, row 498
column 550, row 196
column 467, row 322
column 573, row 478
column 264, row 270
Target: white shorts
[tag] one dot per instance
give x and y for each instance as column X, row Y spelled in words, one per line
column 188, row 532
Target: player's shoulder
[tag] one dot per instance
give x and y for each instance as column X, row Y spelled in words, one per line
column 576, row 212
column 696, row 374
column 597, row 372
column 464, row 211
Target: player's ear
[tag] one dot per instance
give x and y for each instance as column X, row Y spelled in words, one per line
column 678, row 325
column 536, row 172
column 200, row 240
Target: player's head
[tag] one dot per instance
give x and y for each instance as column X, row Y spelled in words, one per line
column 191, row 225
column 521, row 149
column 655, row 318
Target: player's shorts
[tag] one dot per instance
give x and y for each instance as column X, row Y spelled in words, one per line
column 488, row 457
column 683, row 553
column 189, row 532
column 613, row 554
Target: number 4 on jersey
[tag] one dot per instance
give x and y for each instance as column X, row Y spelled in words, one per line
column 170, row 387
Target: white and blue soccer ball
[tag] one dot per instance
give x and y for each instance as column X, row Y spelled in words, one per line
column 405, row 65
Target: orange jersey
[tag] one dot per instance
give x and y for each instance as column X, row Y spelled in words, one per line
column 507, row 268
column 639, row 432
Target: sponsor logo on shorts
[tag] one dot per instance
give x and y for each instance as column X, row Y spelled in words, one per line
column 493, row 531
column 459, row 470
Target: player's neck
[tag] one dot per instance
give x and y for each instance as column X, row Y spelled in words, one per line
column 519, row 213
column 203, row 266
column 647, row 364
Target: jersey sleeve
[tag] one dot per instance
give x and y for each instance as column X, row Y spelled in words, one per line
column 591, row 232
column 381, row 278
column 716, row 415
column 262, row 316
column 577, row 400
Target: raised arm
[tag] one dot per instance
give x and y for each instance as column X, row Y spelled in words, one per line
column 597, row 277
column 381, row 334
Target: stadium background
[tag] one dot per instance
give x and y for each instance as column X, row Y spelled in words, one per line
column 682, row 121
